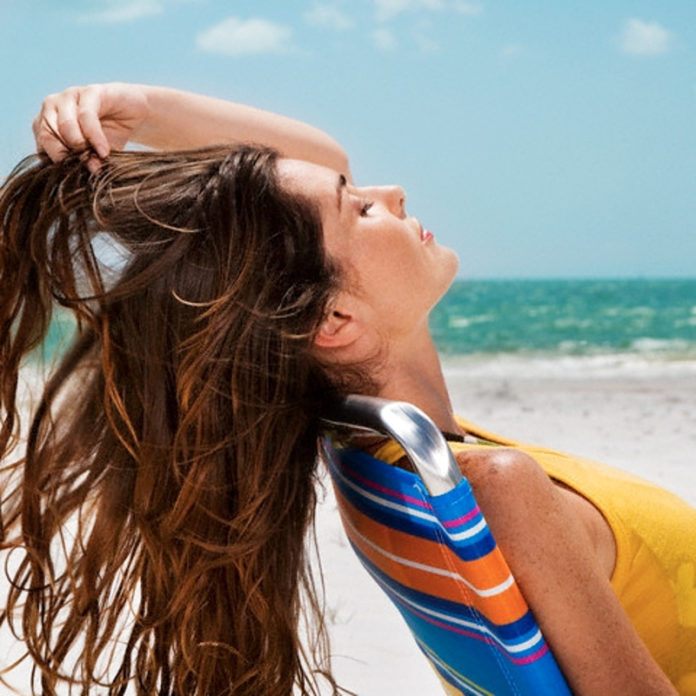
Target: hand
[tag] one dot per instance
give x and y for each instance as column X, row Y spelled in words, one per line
column 97, row 117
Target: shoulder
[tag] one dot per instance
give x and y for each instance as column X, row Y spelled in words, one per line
column 554, row 559
column 528, row 515
column 523, row 504
column 507, row 476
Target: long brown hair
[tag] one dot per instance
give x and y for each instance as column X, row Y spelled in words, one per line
column 167, row 483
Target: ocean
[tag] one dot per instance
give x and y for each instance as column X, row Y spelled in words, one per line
column 635, row 325
column 557, row 325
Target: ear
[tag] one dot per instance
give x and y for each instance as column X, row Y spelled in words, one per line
column 338, row 330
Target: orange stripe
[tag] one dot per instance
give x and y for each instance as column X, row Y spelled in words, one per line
column 482, row 572
column 486, row 572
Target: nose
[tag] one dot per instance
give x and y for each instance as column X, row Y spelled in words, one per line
column 394, row 198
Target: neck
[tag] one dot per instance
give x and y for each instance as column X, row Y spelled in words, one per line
column 412, row 372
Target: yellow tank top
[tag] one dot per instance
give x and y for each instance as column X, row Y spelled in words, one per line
column 655, row 532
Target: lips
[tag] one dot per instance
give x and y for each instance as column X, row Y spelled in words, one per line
column 425, row 234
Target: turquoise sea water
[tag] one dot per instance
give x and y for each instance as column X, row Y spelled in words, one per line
column 650, row 320
column 644, row 321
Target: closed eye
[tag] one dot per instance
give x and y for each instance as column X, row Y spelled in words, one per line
column 365, row 207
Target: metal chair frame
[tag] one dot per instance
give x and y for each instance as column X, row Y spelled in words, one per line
column 473, row 649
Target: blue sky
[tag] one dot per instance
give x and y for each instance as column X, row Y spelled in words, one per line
column 539, row 138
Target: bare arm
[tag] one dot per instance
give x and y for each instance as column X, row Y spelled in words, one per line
column 109, row 115
column 553, row 559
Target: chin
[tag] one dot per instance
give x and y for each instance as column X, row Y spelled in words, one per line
column 451, row 259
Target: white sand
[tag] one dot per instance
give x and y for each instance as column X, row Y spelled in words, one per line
column 645, row 424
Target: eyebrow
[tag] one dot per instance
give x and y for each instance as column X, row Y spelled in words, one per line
column 340, row 186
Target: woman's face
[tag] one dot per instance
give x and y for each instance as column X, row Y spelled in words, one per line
column 389, row 259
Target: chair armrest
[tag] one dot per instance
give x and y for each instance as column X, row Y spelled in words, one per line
column 423, row 443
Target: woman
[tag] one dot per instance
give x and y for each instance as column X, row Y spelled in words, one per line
column 272, row 285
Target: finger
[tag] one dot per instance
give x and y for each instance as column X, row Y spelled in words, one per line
column 47, row 110
column 48, row 139
column 88, row 115
column 56, row 130
column 36, row 130
column 93, row 164
column 67, row 123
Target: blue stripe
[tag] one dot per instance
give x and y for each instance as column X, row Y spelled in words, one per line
column 468, row 550
column 448, row 675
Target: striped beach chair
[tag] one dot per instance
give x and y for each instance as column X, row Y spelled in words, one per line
column 423, row 539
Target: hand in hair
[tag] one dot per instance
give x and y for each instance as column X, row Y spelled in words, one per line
column 94, row 117
column 107, row 116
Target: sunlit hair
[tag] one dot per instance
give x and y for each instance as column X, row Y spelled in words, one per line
column 161, row 503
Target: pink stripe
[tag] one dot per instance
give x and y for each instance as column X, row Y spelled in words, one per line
column 387, row 491
column 534, row 656
column 368, row 483
column 463, row 519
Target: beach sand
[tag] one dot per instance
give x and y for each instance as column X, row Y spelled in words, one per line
column 645, row 424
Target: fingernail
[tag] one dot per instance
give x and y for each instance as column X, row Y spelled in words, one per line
column 93, row 165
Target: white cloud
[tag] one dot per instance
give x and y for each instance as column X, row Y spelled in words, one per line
column 640, row 38
column 328, row 16
column 384, row 39
column 118, row 11
column 234, row 37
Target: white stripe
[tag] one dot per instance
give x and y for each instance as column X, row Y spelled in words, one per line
column 387, row 503
column 510, row 647
column 468, row 533
column 459, row 536
column 490, row 592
